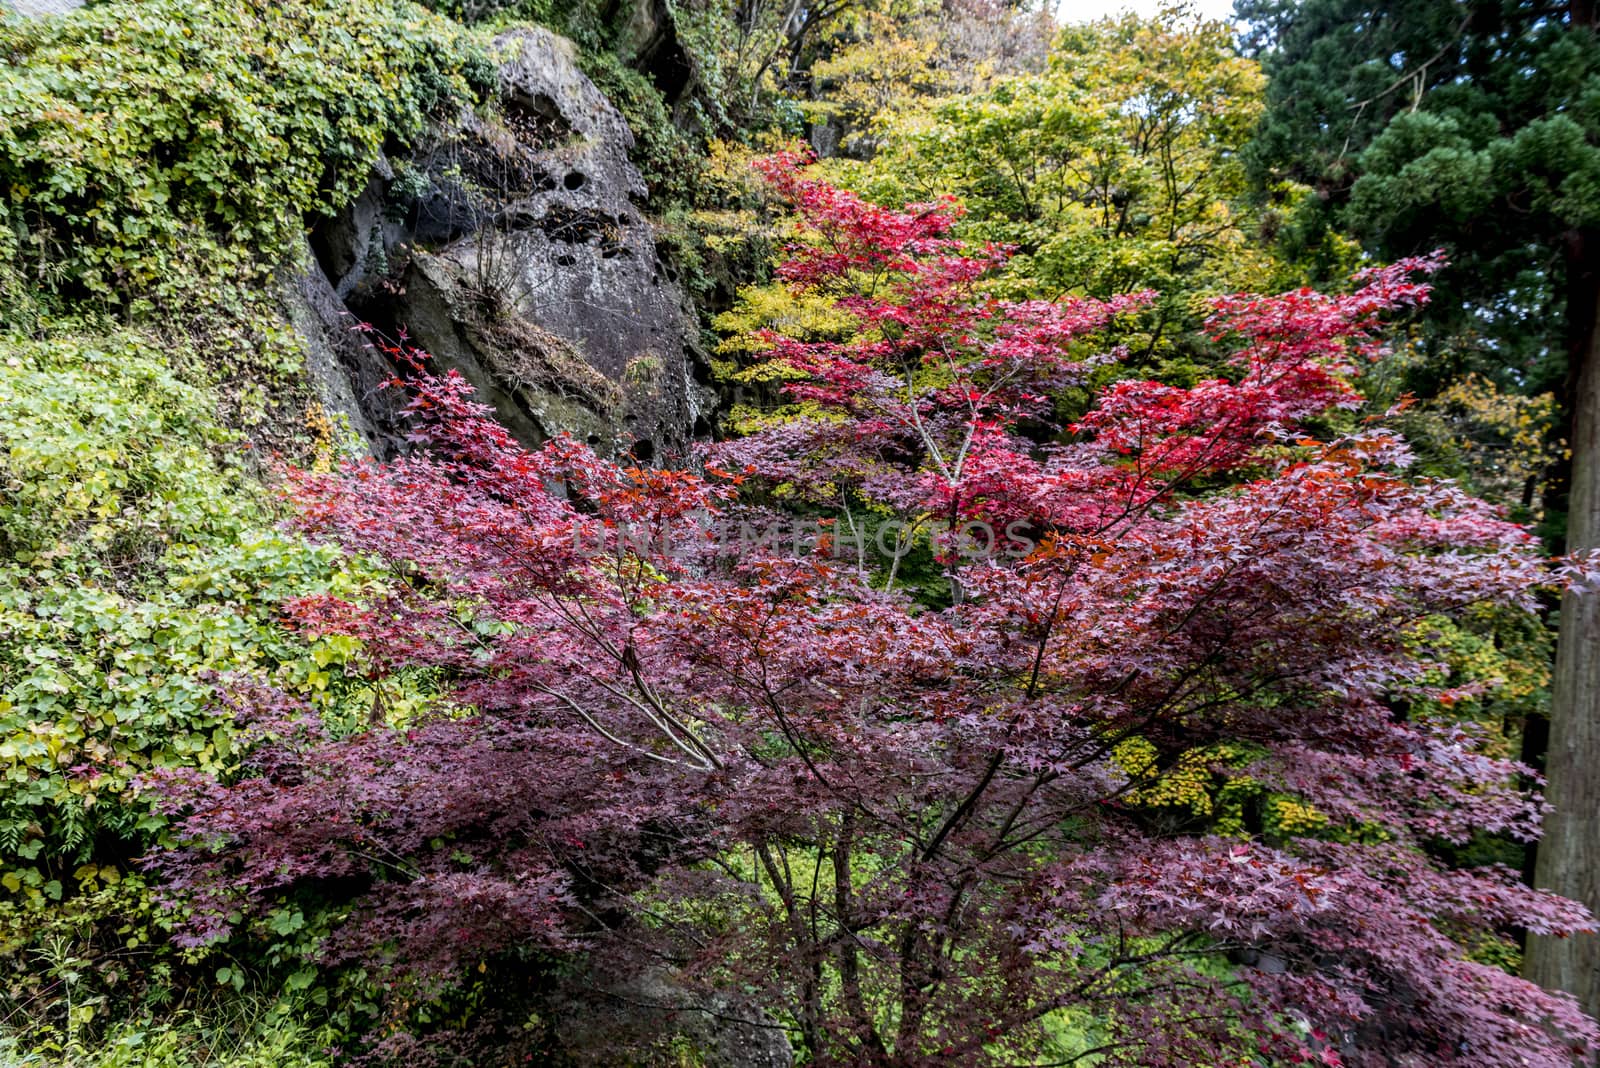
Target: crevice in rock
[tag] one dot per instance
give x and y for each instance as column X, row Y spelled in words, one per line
column 535, row 121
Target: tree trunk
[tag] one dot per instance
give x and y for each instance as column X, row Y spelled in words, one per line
column 1569, row 854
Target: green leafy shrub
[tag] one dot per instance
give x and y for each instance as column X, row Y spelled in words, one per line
column 137, row 563
column 136, row 133
column 244, row 1038
column 163, row 156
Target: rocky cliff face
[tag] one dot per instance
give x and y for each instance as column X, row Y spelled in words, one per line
column 512, row 247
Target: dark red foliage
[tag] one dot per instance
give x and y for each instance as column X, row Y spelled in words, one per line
column 903, row 829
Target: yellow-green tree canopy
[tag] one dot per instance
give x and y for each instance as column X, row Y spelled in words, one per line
column 1113, row 170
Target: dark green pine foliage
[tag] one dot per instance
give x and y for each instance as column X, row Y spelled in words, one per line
column 1428, row 123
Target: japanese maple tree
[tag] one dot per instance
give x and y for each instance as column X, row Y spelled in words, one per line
column 976, row 829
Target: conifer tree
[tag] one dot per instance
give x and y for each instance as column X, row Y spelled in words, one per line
column 1475, row 126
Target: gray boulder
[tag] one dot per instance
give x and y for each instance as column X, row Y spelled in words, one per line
column 346, row 371
column 651, row 1009
column 514, row 248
